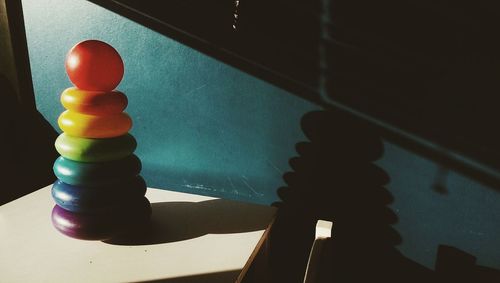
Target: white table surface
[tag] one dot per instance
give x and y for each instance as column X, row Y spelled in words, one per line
column 193, row 239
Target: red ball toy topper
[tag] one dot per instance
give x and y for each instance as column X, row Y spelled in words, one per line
column 94, row 65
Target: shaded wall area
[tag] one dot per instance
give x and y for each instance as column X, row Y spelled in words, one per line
column 392, row 223
column 26, row 140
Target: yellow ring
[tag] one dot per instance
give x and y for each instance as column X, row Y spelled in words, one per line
column 93, row 102
column 94, row 126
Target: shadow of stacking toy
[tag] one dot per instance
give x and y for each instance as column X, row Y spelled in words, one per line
column 99, row 194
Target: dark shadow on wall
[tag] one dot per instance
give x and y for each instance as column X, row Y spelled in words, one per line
column 334, row 178
column 27, row 147
column 382, row 59
column 454, row 265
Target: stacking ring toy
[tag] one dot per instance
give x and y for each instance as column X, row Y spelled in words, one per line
column 93, row 126
column 102, row 226
column 94, row 174
column 95, row 150
column 97, row 199
column 93, row 102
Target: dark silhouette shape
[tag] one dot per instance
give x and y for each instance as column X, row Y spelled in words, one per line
column 335, row 179
column 454, row 265
column 27, row 147
column 178, row 221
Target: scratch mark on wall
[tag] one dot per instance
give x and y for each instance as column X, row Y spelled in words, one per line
column 196, row 89
column 274, row 166
column 245, row 181
column 231, row 183
column 199, row 187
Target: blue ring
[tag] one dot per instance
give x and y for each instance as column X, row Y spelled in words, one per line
column 97, row 199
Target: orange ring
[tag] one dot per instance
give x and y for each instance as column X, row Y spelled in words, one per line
column 94, row 102
column 94, row 126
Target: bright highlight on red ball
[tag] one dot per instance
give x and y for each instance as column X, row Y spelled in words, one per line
column 94, row 65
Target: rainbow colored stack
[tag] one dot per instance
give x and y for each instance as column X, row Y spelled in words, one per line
column 99, row 193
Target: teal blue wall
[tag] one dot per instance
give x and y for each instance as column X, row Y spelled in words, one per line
column 202, row 126
column 207, row 128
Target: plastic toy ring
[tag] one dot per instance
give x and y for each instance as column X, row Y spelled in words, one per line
column 95, row 150
column 94, row 126
column 93, row 102
column 94, row 174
